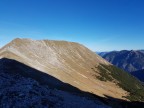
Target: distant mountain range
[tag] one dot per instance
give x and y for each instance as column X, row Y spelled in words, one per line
column 131, row 61
column 101, row 53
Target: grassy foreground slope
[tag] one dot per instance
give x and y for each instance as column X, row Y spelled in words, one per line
column 124, row 80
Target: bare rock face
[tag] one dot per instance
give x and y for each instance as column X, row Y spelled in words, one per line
column 69, row 62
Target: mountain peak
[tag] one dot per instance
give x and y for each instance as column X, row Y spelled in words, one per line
column 69, row 62
column 24, row 45
column 21, row 39
column 45, row 40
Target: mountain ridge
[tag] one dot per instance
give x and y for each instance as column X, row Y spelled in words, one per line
column 64, row 59
column 69, row 62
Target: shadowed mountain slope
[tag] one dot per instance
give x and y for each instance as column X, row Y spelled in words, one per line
column 20, row 87
column 139, row 74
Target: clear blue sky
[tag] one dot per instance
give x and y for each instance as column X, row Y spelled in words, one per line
column 101, row 25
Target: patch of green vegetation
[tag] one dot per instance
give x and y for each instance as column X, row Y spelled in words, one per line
column 105, row 73
column 125, row 81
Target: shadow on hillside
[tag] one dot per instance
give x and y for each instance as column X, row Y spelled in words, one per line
column 10, row 66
